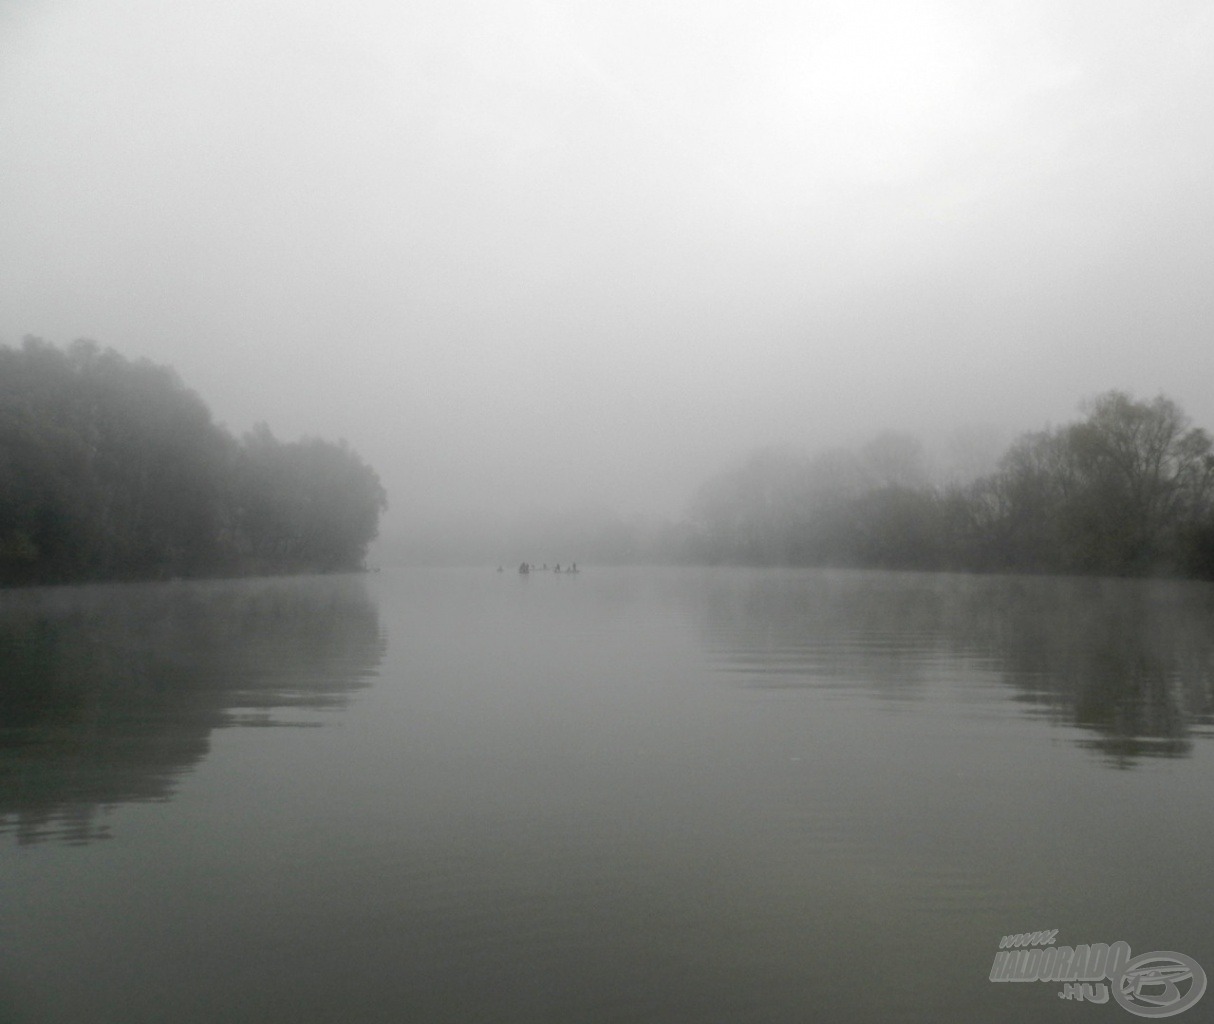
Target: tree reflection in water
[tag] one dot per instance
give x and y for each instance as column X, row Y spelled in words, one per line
column 110, row 693
column 1130, row 662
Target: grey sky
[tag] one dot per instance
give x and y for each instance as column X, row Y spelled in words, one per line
column 520, row 252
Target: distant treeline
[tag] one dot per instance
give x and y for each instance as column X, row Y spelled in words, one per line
column 1126, row 490
column 113, row 469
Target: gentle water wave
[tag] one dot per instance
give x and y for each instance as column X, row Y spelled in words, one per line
column 112, row 692
column 633, row 795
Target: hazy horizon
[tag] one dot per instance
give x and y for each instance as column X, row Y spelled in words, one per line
column 529, row 256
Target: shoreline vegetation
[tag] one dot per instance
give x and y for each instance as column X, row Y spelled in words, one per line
column 1128, row 490
column 112, row 469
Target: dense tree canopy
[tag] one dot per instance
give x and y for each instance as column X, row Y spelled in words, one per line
column 113, row 469
column 1128, row 489
column 1122, row 491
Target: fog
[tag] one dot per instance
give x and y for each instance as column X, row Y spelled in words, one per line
column 529, row 257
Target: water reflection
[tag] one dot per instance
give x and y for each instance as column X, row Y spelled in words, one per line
column 110, row 693
column 828, row 630
column 1129, row 662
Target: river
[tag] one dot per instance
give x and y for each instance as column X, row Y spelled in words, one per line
column 625, row 795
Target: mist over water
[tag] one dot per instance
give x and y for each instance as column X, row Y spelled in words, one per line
column 618, row 795
column 532, row 259
column 719, row 284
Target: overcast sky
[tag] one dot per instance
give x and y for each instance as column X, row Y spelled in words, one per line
column 525, row 252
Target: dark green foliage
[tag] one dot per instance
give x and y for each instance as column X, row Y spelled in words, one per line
column 895, row 528
column 1120, row 492
column 114, row 469
column 308, row 505
column 1128, row 490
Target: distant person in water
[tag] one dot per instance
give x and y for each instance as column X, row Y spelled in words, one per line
column 524, row 568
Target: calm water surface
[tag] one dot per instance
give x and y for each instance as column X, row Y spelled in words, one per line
column 645, row 795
